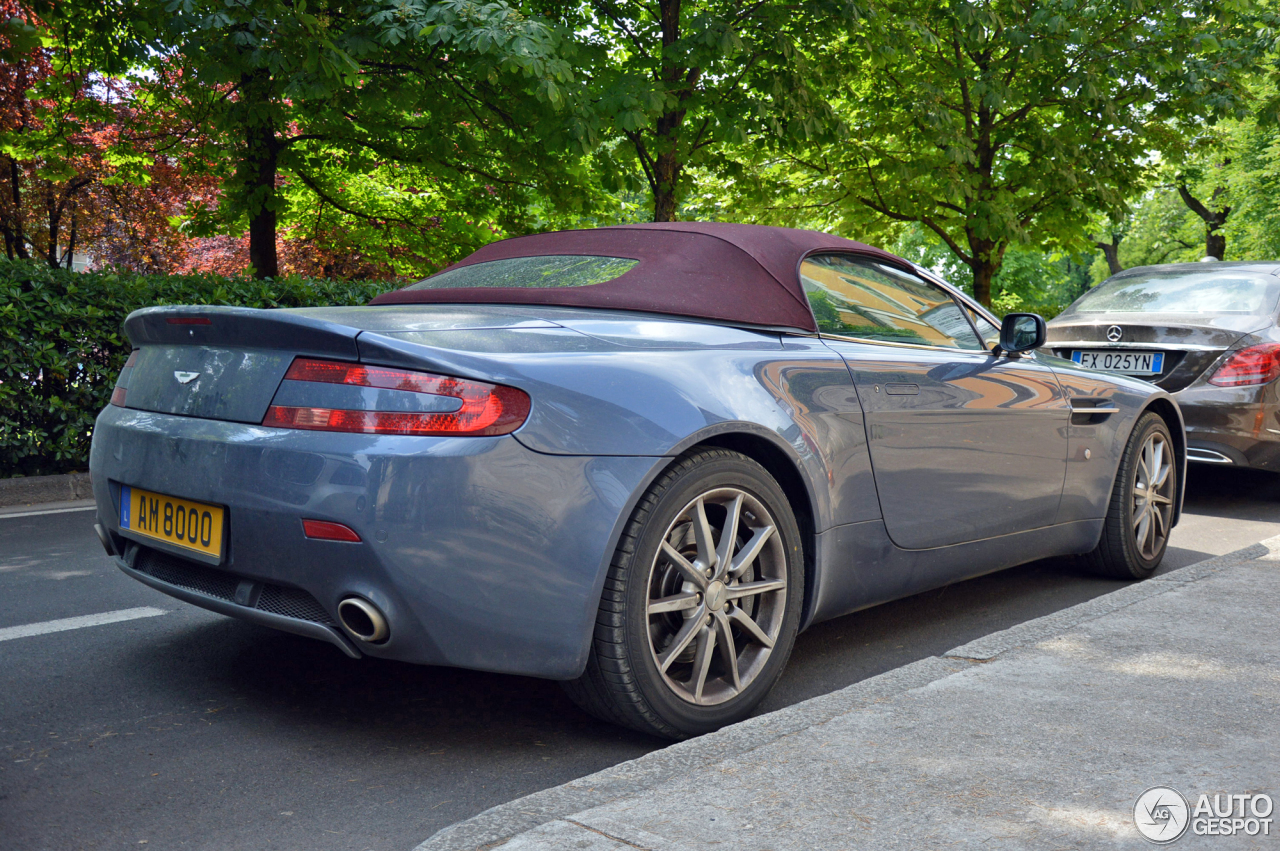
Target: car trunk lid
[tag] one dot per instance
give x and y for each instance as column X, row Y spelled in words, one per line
column 226, row 363
column 1191, row 344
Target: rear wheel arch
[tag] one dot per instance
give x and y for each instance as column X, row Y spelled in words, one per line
column 626, row 679
column 1168, row 411
column 787, row 474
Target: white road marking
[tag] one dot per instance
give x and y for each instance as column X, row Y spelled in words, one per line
column 49, row 511
column 78, row 623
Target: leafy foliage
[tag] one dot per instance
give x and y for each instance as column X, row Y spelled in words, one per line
column 1002, row 122
column 61, row 346
column 401, row 123
column 667, row 87
column 1030, row 280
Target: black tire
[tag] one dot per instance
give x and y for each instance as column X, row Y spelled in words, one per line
column 1120, row 554
column 623, row 682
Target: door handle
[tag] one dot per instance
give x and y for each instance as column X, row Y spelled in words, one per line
column 902, row 389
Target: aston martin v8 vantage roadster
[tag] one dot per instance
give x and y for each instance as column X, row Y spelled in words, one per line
column 636, row 459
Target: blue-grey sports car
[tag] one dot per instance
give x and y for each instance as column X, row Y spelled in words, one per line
column 636, row 459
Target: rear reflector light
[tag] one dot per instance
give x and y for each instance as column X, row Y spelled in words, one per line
column 487, row 409
column 189, row 320
column 323, row 530
column 1254, row 365
column 117, row 397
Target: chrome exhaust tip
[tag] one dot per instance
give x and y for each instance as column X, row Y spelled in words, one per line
column 107, row 543
column 363, row 620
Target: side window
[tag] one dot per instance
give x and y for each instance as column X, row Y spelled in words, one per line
column 857, row 297
column 990, row 333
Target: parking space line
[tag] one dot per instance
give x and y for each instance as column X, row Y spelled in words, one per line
column 47, row 511
column 78, row 623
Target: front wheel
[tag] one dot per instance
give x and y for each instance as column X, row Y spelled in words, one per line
column 1140, row 515
column 702, row 601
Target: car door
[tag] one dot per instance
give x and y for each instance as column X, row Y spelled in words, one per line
column 964, row 445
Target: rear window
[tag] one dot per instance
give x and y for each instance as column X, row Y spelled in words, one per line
column 1182, row 292
column 551, row 271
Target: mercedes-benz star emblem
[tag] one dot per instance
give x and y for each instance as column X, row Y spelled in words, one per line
column 186, row 377
column 1114, row 333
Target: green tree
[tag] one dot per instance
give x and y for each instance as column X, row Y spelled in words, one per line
column 303, row 104
column 668, row 87
column 995, row 123
column 1029, row 280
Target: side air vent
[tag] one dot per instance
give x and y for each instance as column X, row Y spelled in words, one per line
column 1207, row 456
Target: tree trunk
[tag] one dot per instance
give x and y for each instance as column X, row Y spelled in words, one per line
column 666, row 174
column 259, row 169
column 262, row 152
column 1215, row 244
column 1111, row 251
column 987, row 258
column 983, row 273
column 667, row 166
column 55, row 227
column 71, row 241
column 1215, row 241
column 19, row 232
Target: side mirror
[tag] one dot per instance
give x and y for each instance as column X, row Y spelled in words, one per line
column 1021, row 332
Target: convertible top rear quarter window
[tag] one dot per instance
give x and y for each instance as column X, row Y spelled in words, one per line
column 860, row 297
column 543, row 272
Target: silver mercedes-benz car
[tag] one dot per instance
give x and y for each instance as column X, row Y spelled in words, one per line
column 636, row 459
column 1205, row 332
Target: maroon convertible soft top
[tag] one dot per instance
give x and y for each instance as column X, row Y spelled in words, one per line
column 708, row 270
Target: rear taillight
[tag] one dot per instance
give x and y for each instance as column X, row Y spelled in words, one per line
column 118, row 394
column 1254, row 365
column 487, row 409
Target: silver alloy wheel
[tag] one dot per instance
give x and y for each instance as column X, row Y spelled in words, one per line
column 1153, row 496
column 717, row 596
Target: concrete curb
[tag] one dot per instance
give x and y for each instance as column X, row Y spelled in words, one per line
column 502, row 822
column 990, row 646
column 34, row 490
column 495, row 826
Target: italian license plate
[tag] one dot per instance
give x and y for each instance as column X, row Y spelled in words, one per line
column 181, row 522
column 1130, row 363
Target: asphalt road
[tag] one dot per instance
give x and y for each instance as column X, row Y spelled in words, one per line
column 190, row 730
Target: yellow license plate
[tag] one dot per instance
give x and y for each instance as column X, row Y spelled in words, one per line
column 181, row 522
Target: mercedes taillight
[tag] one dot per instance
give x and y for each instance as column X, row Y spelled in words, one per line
column 1254, row 365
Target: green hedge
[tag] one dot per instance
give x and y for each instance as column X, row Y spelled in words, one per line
column 61, row 346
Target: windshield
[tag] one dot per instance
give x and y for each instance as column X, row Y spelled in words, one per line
column 548, row 271
column 1182, row 292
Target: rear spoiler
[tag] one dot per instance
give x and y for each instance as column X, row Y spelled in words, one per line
column 241, row 328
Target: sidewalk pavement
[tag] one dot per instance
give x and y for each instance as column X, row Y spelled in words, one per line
column 1038, row 737
column 36, row 490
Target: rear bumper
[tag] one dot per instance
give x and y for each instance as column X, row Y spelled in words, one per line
column 481, row 553
column 1233, row 426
